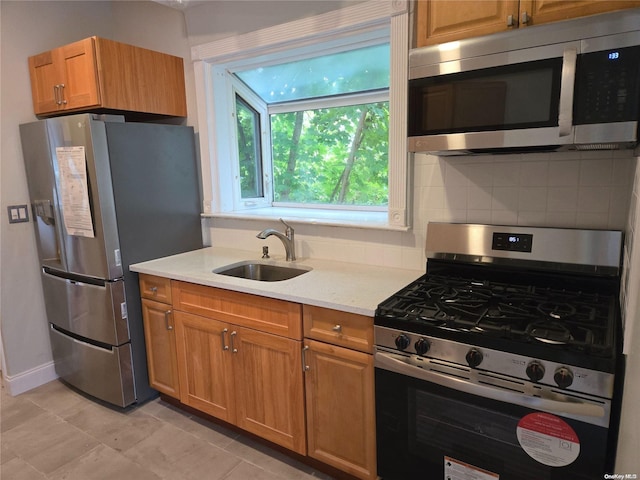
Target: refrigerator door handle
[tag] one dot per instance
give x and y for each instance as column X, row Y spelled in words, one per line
column 44, row 210
column 50, row 244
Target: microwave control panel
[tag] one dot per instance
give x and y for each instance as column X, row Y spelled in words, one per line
column 607, row 86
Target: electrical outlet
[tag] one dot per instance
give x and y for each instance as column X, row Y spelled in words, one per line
column 18, row 213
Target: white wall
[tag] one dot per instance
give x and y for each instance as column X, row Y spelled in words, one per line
column 28, row 28
column 629, row 440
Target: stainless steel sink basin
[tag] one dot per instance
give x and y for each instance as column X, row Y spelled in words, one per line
column 262, row 272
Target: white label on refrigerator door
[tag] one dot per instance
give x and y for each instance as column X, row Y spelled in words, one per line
column 548, row 439
column 74, row 194
column 457, row 470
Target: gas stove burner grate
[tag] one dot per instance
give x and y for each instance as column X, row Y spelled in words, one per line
column 523, row 313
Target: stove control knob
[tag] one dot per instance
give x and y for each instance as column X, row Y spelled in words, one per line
column 563, row 377
column 402, row 341
column 535, row 371
column 474, row 357
column 422, row 346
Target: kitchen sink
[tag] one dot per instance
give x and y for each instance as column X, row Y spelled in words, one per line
column 262, row 272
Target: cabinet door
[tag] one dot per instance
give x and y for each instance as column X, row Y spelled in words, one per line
column 446, row 21
column 78, row 62
column 269, row 387
column 161, row 347
column 65, row 78
column 45, row 78
column 340, row 408
column 545, row 11
column 204, row 365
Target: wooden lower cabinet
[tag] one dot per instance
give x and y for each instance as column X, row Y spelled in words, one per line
column 161, row 347
column 245, row 377
column 269, row 387
column 205, row 365
column 240, row 358
column 340, row 408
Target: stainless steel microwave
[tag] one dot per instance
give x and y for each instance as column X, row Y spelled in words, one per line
column 568, row 85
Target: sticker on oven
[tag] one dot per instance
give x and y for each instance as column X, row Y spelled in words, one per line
column 457, row 470
column 548, row 439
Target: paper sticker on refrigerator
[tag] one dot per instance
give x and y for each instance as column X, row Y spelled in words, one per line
column 76, row 210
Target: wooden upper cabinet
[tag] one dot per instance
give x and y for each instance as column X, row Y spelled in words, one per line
column 442, row 21
column 545, row 11
column 446, row 21
column 96, row 74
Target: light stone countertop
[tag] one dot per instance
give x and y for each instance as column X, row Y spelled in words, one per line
column 348, row 287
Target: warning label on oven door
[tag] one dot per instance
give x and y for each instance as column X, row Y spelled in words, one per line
column 548, row 439
column 457, row 470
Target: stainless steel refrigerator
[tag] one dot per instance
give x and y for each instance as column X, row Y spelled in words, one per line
column 106, row 193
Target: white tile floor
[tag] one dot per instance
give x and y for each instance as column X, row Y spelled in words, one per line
column 53, row 432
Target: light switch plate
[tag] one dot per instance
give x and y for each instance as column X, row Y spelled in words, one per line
column 18, row 213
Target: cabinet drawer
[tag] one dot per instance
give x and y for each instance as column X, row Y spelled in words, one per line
column 340, row 328
column 155, row 288
column 261, row 313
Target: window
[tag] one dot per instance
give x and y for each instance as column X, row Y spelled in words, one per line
column 307, row 122
column 328, row 119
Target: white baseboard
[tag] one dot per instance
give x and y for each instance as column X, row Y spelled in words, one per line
column 25, row 381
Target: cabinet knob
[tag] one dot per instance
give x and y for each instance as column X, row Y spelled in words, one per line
column 154, row 290
column 525, row 18
column 337, row 328
column 510, row 21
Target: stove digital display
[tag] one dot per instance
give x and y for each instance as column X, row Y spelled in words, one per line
column 512, row 242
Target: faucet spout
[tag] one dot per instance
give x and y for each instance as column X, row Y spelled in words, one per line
column 286, row 238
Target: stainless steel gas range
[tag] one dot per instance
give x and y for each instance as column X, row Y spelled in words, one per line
column 504, row 360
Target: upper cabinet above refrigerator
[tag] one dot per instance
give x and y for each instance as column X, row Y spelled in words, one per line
column 100, row 75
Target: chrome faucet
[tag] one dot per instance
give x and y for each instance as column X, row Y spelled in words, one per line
column 286, row 238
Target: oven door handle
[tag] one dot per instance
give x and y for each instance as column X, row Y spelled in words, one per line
column 588, row 412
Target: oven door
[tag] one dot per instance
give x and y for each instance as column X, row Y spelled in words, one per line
column 434, row 426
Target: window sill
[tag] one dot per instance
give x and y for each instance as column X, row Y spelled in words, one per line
column 313, row 216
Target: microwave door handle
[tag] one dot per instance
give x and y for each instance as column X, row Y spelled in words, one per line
column 568, row 78
column 589, row 412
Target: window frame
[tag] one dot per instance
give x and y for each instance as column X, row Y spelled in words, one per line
column 356, row 25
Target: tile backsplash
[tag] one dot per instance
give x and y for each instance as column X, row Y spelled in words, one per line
column 565, row 189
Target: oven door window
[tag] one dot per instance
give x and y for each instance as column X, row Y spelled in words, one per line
column 524, row 95
column 420, row 423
